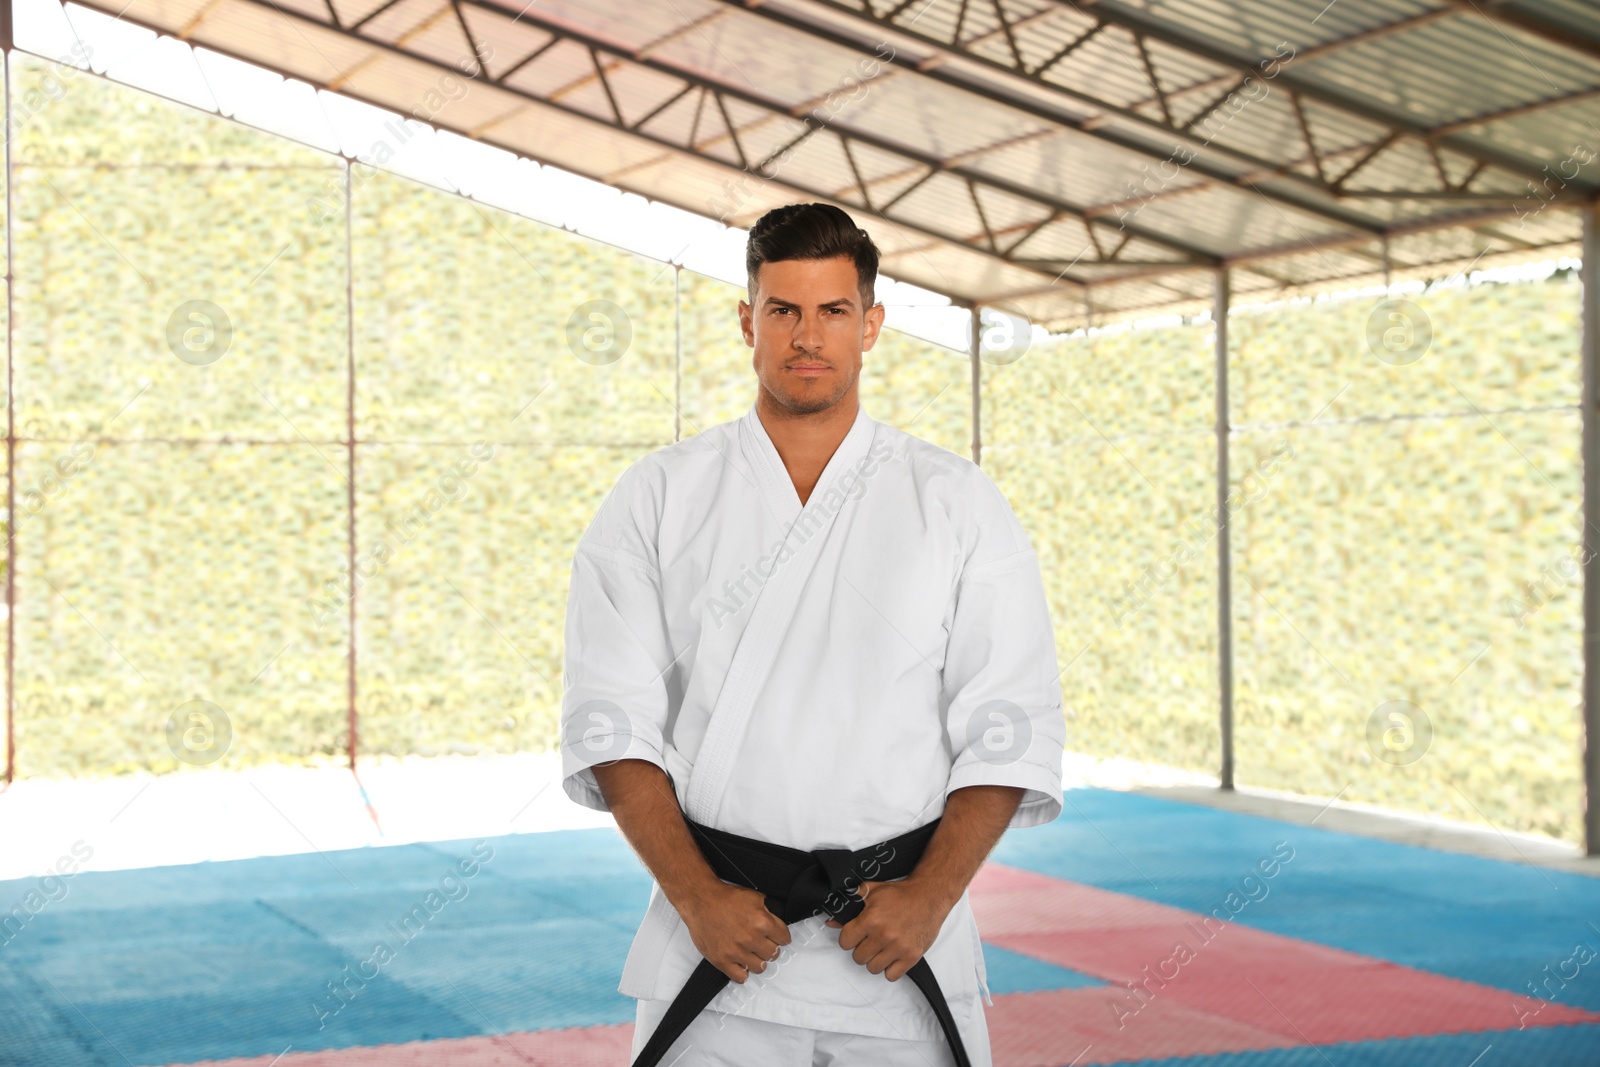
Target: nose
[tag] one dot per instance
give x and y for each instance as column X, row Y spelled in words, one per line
column 808, row 335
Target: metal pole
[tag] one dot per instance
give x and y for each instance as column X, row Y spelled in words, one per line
column 1591, row 521
column 977, row 387
column 350, row 437
column 1219, row 313
column 677, row 352
column 6, row 44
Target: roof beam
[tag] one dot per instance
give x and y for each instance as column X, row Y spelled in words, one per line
column 989, row 35
column 1486, row 117
column 722, row 90
column 1374, row 33
column 1462, row 221
column 1354, row 243
column 1049, row 278
column 1292, row 190
column 972, row 243
column 1532, row 22
column 1433, row 137
column 1156, row 29
column 1321, row 200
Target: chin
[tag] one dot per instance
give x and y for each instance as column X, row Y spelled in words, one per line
column 809, row 402
column 822, row 394
column 809, row 405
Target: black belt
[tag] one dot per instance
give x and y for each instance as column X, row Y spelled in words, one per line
column 798, row 885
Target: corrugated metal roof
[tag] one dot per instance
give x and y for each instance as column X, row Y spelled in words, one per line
column 1060, row 160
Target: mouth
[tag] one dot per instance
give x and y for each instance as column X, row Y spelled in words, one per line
column 808, row 370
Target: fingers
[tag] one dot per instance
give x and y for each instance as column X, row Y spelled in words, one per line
column 863, row 891
column 853, row 932
column 873, row 955
column 750, row 957
column 861, row 939
column 886, row 958
column 876, row 949
column 765, row 923
column 775, row 929
column 740, row 969
column 758, row 956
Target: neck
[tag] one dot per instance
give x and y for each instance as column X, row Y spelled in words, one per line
column 806, row 442
column 807, row 434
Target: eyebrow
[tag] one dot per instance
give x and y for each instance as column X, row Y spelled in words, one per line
column 843, row 301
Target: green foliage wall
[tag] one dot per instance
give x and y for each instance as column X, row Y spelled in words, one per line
column 1416, row 556
column 1103, row 445
column 1403, row 530
column 1405, row 533
column 505, row 374
column 172, row 513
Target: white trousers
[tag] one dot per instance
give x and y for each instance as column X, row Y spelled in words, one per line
column 720, row 1039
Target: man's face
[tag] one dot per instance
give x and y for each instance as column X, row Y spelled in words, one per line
column 808, row 328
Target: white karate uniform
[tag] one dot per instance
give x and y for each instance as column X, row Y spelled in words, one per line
column 714, row 1039
column 819, row 676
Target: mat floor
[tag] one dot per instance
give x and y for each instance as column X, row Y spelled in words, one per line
column 1131, row 930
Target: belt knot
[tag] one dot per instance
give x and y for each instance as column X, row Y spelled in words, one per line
column 827, row 887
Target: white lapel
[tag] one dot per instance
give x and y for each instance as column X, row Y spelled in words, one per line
column 775, row 601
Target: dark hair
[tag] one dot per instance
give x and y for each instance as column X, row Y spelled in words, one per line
column 811, row 231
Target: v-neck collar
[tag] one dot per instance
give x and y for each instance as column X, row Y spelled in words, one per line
column 776, row 484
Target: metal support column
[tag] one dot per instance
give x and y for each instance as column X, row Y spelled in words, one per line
column 677, row 352
column 350, row 455
column 977, row 385
column 6, row 44
column 1219, row 313
column 1591, row 521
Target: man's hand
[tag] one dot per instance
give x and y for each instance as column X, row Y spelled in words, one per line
column 731, row 926
column 902, row 919
column 896, row 928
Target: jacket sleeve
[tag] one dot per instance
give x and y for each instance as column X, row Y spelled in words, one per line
column 1002, row 686
column 614, row 681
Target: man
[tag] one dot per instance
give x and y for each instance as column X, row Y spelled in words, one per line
column 805, row 631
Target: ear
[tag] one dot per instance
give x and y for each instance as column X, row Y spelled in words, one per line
column 747, row 323
column 871, row 326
